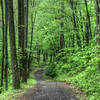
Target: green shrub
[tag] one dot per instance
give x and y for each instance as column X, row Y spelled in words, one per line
column 79, row 67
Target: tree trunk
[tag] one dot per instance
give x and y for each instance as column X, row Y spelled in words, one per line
column 97, row 5
column 38, row 56
column 29, row 58
column 2, row 67
column 32, row 32
column 26, row 32
column 26, row 22
column 88, row 25
column 6, row 44
column 75, row 22
column 62, row 26
column 21, row 38
column 15, row 71
column 44, row 58
column 51, row 58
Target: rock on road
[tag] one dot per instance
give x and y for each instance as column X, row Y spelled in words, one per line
column 46, row 90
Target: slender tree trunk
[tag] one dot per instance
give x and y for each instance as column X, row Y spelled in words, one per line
column 21, row 24
column 38, row 56
column 88, row 25
column 62, row 26
column 15, row 71
column 75, row 22
column 21, row 38
column 26, row 33
column 51, row 58
column 2, row 67
column 97, row 5
column 26, row 6
column 6, row 44
column 44, row 58
column 97, row 2
column 81, row 21
column 32, row 32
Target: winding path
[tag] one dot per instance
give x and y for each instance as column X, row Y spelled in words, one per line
column 48, row 90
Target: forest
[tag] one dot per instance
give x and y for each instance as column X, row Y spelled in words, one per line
column 60, row 36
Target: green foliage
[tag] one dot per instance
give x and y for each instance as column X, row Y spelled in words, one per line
column 80, row 68
column 51, row 71
column 72, row 63
column 12, row 94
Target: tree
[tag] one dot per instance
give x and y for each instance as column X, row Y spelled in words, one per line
column 15, row 70
column 22, row 36
column 32, row 32
column 6, row 44
column 62, row 25
column 75, row 22
column 3, row 34
column 97, row 5
column 26, row 8
column 88, row 25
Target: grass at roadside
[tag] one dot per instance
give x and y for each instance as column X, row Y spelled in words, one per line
column 62, row 78
column 87, row 81
column 12, row 94
column 75, row 88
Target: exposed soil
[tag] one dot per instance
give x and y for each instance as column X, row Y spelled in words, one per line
column 48, row 90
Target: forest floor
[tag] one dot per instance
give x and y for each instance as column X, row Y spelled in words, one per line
column 49, row 90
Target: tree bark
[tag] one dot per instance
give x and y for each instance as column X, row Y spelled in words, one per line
column 62, row 26
column 2, row 67
column 6, row 44
column 26, row 6
column 21, row 38
column 15, row 71
column 32, row 32
column 88, row 25
column 97, row 6
column 75, row 23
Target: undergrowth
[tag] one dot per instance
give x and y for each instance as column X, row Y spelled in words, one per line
column 13, row 94
column 80, row 68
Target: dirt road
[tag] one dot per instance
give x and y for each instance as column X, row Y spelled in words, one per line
column 48, row 90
